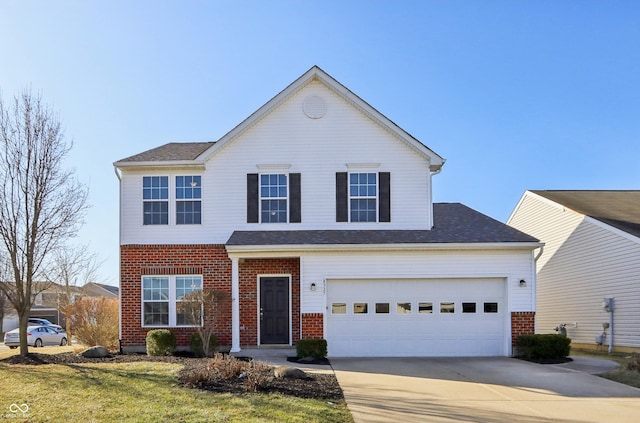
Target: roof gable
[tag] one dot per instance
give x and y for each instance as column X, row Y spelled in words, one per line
column 618, row 209
column 172, row 153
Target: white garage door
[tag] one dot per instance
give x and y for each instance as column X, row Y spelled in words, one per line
column 417, row 317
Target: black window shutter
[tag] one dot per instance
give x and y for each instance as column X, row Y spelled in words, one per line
column 384, row 194
column 294, row 198
column 252, row 198
column 342, row 197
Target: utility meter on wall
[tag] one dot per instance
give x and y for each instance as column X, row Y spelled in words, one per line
column 607, row 304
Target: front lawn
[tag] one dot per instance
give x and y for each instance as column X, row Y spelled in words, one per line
column 141, row 392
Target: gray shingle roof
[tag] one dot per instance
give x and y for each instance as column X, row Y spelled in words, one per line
column 454, row 223
column 170, row 152
column 620, row 209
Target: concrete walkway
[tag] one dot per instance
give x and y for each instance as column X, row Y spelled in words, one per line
column 495, row 389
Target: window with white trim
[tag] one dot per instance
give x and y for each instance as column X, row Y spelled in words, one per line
column 363, row 197
column 155, row 198
column 273, row 198
column 164, row 298
column 188, row 200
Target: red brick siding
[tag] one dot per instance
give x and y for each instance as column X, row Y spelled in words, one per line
column 211, row 261
column 249, row 271
column 312, row 325
column 522, row 323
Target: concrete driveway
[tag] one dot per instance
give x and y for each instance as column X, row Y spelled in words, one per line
column 496, row 389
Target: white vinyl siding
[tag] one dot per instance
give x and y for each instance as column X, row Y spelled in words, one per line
column 584, row 262
column 510, row 265
column 315, row 148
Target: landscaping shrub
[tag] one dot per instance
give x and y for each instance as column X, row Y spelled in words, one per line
column 160, row 342
column 543, row 346
column 195, row 344
column 634, row 363
column 256, row 375
column 94, row 321
column 257, row 379
column 316, row 348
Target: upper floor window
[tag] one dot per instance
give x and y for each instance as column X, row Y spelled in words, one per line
column 273, row 198
column 188, row 200
column 155, row 195
column 363, row 197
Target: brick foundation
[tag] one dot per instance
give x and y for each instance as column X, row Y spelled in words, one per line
column 522, row 323
column 312, row 325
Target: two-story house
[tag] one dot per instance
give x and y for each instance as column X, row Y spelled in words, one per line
column 315, row 214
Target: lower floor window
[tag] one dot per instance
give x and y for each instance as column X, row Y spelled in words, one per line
column 170, row 300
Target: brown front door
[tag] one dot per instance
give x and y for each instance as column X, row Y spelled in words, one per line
column 274, row 310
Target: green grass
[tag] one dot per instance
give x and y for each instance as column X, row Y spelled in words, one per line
column 621, row 374
column 141, row 392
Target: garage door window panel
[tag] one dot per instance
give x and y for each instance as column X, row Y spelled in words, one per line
column 382, row 308
column 468, row 308
column 403, row 308
column 447, row 307
column 360, row 308
column 425, row 308
column 490, row 307
column 339, row 308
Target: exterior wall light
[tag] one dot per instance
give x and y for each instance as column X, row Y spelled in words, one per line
column 523, row 283
column 313, row 286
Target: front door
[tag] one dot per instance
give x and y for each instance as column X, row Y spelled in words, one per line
column 274, row 310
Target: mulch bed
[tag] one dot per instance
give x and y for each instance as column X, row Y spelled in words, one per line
column 320, row 386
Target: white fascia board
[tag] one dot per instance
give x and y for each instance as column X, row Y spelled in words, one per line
column 160, row 165
column 605, row 226
column 539, row 198
column 243, row 251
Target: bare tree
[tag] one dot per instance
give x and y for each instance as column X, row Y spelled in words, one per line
column 191, row 307
column 72, row 267
column 42, row 204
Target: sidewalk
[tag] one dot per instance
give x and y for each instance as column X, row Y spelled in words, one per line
column 593, row 366
column 278, row 357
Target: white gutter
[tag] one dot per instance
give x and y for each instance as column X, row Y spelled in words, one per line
column 290, row 248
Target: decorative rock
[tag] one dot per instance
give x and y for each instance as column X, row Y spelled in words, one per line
column 306, row 360
column 95, row 352
column 282, row 372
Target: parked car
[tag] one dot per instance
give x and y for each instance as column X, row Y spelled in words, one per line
column 36, row 321
column 37, row 336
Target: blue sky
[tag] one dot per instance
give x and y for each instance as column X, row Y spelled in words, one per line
column 516, row 95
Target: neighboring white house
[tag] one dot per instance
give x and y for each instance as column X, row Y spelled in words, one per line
column 591, row 252
column 315, row 214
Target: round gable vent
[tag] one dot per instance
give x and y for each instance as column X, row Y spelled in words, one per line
column 314, row 107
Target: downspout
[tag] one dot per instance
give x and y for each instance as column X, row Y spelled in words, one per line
column 534, row 288
column 535, row 260
column 431, row 175
column 115, row 170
